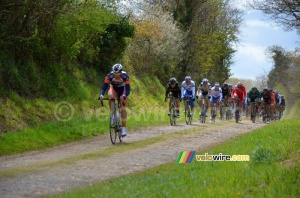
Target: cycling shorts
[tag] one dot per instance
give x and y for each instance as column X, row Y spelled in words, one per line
column 214, row 99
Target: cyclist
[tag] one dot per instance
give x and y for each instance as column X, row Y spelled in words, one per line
column 277, row 102
column 188, row 89
column 239, row 92
column 226, row 93
column 216, row 97
column 173, row 89
column 272, row 103
column 282, row 102
column 203, row 92
column 119, row 87
column 253, row 96
column 266, row 99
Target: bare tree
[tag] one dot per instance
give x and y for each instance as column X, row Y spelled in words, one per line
column 283, row 12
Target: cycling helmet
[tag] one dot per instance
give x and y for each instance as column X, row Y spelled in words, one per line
column 265, row 89
column 205, row 80
column 117, row 68
column 253, row 88
column 225, row 85
column 276, row 91
column 217, row 85
column 271, row 90
column 282, row 96
column 187, row 79
column 173, row 80
column 239, row 85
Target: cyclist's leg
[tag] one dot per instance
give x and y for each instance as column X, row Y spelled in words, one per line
column 212, row 101
column 178, row 106
column 192, row 103
column 169, row 106
column 122, row 103
column 112, row 94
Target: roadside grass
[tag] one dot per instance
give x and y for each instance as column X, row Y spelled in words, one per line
column 49, row 123
column 273, row 170
column 79, row 127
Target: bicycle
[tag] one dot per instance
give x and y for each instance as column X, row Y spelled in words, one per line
column 187, row 110
column 253, row 111
column 222, row 110
column 228, row 111
column 237, row 110
column 265, row 116
column 114, row 121
column 173, row 111
column 278, row 112
column 203, row 111
column 214, row 113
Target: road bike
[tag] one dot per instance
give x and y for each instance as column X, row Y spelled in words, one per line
column 264, row 113
column 173, row 111
column 203, row 111
column 115, row 127
column 237, row 109
column 214, row 112
column 188, row 110
column 278, row 112
column 228, row 110
column 253, row 111
column 223, row 110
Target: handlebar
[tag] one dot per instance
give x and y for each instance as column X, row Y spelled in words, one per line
column 108, row 99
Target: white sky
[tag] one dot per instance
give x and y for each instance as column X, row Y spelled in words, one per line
column 258, row 34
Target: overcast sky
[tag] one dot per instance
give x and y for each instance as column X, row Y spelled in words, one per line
column 259, row 33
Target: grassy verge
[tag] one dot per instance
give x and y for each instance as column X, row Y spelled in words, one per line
column 62, row 121
column 273, row 171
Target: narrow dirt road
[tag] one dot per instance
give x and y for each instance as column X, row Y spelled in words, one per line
column 51, row 171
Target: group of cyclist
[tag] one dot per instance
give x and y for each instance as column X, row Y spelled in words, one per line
column 227, row 93
column 273, row 101
column 118, row 83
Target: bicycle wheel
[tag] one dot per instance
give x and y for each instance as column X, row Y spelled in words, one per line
column 253, row 114
column 237, row 116
column 223, row 113
column 119, row 133
column 187, row 114
column 213, row 117
column 112, row 128
column 202, row 115
column 172, row 116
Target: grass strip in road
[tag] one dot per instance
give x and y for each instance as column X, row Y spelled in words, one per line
column 119, row 148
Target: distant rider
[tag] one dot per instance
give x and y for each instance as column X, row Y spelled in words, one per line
column 203, row 93
column 188, row 89
column 173, row 89
column 216, row 97
column 239, row 94
column 253, row 96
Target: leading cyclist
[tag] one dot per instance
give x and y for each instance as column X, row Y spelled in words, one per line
column 119, row 87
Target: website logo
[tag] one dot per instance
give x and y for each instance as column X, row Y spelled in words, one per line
column 186, row 157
